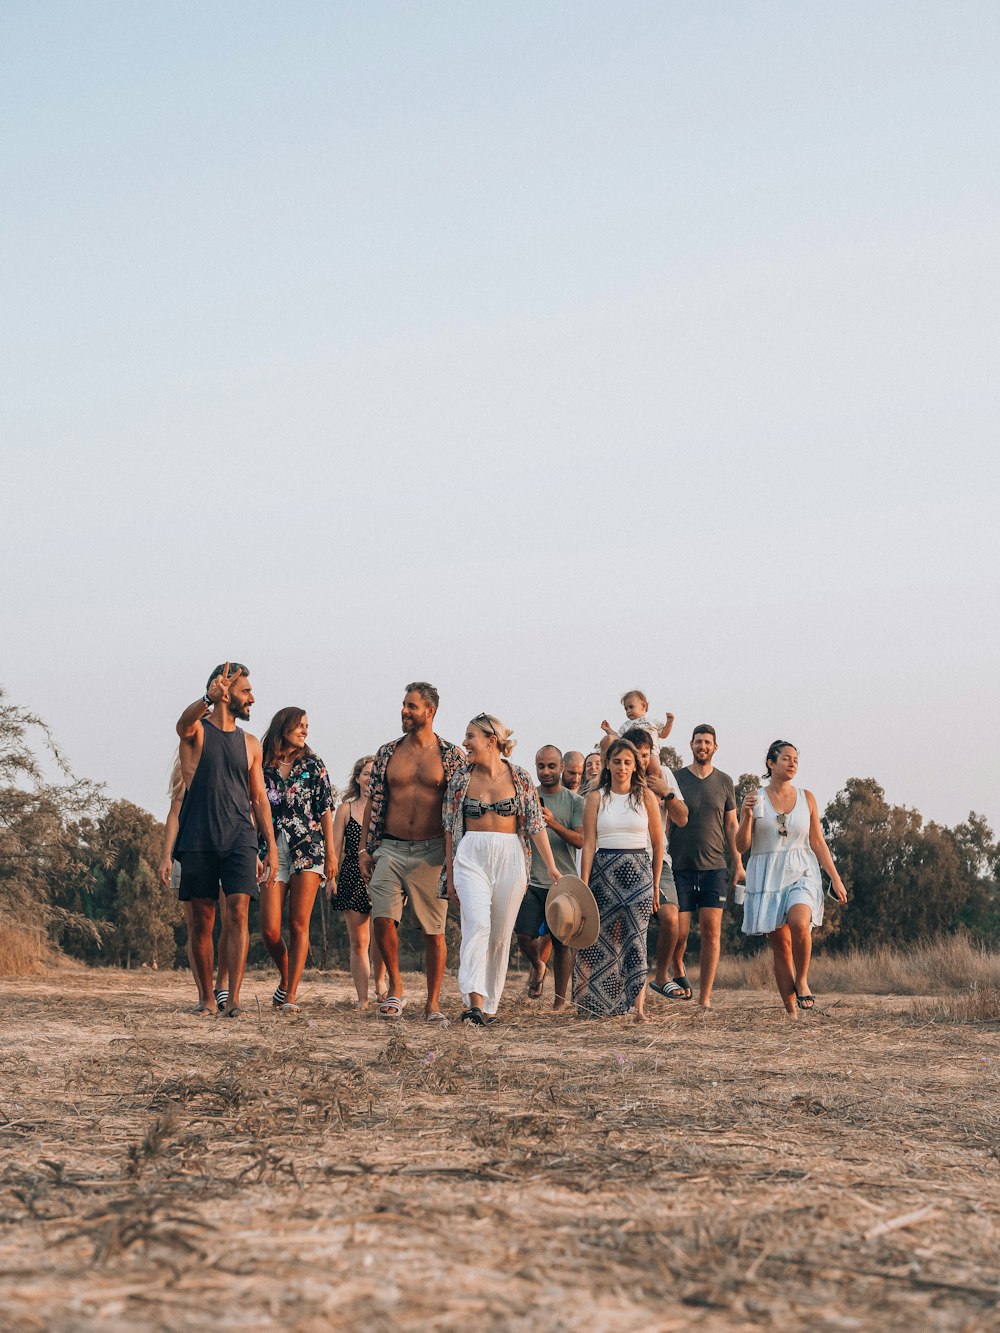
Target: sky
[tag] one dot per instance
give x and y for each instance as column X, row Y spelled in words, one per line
column 538, row 350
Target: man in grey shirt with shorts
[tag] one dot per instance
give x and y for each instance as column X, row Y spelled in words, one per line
column 563, row 811
column 698, row 852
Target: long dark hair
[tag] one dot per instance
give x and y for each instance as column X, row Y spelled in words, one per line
column 773, row 750
column 274, row 738
column 637, row 787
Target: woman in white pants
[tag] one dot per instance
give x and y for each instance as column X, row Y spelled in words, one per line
column 491, row 817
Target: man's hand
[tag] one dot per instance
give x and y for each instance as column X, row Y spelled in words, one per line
column 452, row 894
column 658, row 785
column 269, row 869
column 739, row 875
column 366, row 865
column 218, row 691
column 166, row 867
column 555, row 875
column 547, row 815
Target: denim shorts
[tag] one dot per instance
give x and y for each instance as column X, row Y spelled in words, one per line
column 285, row 870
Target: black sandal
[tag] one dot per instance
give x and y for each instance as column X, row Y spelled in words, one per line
column 474, row 1016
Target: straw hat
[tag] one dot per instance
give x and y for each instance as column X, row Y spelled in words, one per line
column 571, row 913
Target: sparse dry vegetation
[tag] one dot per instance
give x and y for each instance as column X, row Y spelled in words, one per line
column 22, row 951
column 947, row 965
column 722, row 1172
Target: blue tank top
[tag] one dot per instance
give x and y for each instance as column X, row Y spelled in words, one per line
column 215, row 816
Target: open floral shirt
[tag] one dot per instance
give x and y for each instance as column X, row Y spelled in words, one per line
column 298, row 804
column 528, row 812
column 452, row 759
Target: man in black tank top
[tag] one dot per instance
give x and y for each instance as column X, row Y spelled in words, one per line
column 216, row 839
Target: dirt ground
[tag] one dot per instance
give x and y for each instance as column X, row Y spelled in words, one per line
column 728, row 1171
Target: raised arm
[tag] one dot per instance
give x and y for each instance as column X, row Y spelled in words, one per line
column 673, row 804
column 573, row 836
column 217, row 692
column 818, row 843
column 744, row 833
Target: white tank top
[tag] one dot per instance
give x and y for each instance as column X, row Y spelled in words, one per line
column 619, row 826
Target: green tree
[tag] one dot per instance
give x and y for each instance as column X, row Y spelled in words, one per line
column 38, row 841
column 908, row 880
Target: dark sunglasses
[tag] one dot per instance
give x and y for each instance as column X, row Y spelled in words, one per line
column 483, row 718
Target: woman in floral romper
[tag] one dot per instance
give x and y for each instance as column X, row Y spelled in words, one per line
column 298, row 788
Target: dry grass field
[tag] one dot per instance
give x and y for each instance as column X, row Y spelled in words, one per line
column 723, row 1171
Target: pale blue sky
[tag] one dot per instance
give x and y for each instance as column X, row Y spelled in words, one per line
column 541, row 350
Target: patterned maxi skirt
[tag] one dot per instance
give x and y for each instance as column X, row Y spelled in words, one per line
column 609, row 976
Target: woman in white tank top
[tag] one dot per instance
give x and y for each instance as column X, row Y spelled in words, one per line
column 621, row 822
column 779, row 826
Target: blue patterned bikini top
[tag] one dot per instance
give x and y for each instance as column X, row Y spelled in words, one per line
column 475, row 809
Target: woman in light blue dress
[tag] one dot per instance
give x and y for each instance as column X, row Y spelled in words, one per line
column 780, row 828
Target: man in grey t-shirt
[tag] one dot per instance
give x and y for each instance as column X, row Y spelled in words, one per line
column 698, row 852
column 563, row 811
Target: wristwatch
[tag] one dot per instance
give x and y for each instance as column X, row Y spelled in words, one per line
column 670, row 796
column 208, row 701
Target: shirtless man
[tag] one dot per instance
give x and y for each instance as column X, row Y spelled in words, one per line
column 216, row 840
column 402, row 844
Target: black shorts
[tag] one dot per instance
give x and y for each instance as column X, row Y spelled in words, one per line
column 203, row 873
column 700, row 888
column 531, row 913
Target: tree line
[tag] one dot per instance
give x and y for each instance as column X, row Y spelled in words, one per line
column 83, row 869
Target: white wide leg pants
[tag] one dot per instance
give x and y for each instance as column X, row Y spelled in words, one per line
column 490, row 881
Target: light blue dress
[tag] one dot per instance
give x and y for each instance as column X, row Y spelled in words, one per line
column 782, row 869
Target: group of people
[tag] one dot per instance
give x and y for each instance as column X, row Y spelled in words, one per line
column 574, row 863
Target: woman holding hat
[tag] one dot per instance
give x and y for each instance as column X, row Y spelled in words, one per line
column 491, row 816
column 621, row 820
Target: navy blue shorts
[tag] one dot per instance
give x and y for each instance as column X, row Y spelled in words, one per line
column 700, row 888
column 203, row 873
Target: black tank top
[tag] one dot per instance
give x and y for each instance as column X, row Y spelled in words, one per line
column 215, row 816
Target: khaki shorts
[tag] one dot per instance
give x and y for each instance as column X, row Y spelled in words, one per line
column 409, row 870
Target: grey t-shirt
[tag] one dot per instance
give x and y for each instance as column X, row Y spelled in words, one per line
column 701, row 843
column 567, row 809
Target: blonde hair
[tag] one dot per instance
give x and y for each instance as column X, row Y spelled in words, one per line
column 634, row 694
column 492, row 726
column 352, row 792
column 176, row 784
